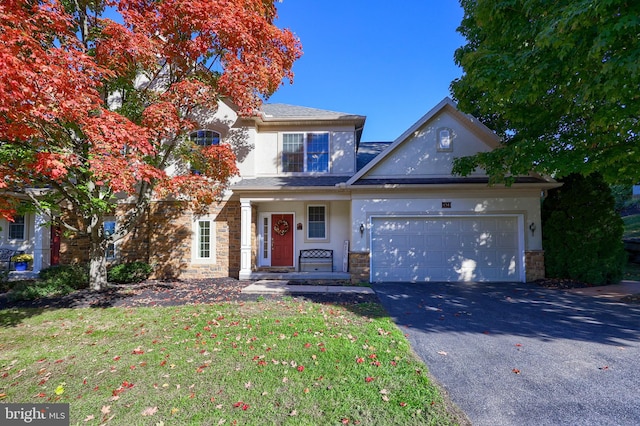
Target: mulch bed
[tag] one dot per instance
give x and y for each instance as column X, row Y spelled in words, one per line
column 561, row 283
column 173, row 293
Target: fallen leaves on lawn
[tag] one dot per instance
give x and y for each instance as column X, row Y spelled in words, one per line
column 149, row 411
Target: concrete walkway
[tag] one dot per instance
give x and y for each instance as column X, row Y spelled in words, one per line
column 612, row 292
column 283, row 287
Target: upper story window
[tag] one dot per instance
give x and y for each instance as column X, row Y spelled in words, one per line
column 305, row 152
column 205, row 137
column 16, row 228
column 445, row 139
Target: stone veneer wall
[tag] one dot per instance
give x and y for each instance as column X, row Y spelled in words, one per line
column 359, row 267
column 534, row 265
column 164, row 238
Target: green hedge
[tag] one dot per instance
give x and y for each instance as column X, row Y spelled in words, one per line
column 125, row 273
column 582, row 233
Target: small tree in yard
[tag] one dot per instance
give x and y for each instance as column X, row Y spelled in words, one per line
column 92, row 110
column 582, row 233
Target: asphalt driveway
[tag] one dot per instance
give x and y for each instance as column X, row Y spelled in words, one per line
column 519, row 354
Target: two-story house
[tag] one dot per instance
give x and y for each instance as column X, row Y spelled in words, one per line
column 388, row 211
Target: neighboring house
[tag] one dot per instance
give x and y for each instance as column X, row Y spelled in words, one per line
column 389, row 211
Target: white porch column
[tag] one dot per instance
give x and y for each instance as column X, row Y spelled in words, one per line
column 245, row 238
column 41, row 243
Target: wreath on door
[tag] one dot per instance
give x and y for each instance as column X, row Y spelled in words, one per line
column 281, row 227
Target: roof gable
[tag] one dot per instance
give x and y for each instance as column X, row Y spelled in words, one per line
column 415, row 153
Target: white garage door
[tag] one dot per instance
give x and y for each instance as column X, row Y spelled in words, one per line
column 445, row 249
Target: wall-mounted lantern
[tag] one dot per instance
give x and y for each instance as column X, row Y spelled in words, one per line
column 532, row 227
column 361, row 229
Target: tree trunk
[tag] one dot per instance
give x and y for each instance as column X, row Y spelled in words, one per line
column 97, row 267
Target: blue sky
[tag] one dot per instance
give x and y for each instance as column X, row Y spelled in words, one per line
column 391, row 61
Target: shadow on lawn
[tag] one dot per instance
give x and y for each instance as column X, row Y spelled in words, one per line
column 510, row 308
column 176, row 293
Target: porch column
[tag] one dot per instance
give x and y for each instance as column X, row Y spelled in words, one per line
column 41, row 243
column 245, row 239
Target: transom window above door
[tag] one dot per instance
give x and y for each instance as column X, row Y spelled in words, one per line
column 305, row 152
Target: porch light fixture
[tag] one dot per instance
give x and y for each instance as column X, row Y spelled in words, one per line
column 361, row 229
column 532, row 227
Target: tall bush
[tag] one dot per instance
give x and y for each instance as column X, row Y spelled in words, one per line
column 582, row 233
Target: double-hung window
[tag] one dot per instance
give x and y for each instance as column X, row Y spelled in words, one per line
column 204, row 239
column 203, row 138
column 110, row 229
column 16, row 228
column 305, row 152
column 316, row 222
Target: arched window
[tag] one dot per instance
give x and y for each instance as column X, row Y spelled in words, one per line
column 205, row 137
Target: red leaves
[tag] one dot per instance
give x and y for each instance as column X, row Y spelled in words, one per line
column 301, row 368
column 123, row 387
column 242, row 405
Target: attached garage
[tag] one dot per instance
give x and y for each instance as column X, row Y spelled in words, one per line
column 455, row 248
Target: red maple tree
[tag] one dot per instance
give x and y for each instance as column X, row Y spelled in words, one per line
column 92, row 110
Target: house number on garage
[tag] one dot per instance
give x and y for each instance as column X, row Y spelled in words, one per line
column 446, row 204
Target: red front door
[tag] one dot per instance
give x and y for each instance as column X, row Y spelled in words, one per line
column 282, row 239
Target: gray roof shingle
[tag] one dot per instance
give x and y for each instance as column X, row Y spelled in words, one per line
column 286, row 111
column 289, row 182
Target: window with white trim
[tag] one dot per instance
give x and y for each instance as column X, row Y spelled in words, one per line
column 109, row 227
column 305, row 152
column 316, row 222
column 203, row 137
column 445, row 139
column 17, row 228
column 204, row 239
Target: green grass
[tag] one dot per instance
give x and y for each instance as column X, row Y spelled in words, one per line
column 276, row 362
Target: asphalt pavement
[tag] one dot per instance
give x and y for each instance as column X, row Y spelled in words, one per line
column 519, row 354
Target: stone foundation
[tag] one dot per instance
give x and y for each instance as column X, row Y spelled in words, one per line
column 534, row 265
column 359, row 267
column 164, row 240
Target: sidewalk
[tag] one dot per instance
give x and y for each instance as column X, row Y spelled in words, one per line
column 283, row 287
column 614, row 291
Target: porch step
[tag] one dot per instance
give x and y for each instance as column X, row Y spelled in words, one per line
column 301, row 276
column 283, row 287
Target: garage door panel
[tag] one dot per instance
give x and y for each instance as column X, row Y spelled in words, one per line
column 445, row 249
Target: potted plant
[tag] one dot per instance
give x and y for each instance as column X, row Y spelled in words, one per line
column 21, row 261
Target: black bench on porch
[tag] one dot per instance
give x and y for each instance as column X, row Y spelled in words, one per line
column 312, row 260
column 5, row 258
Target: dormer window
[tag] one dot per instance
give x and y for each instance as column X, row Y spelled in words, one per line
column 305, row 152
column 445, row 139
column 205, row 137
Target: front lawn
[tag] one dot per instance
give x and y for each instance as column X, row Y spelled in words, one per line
column 269, row 362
